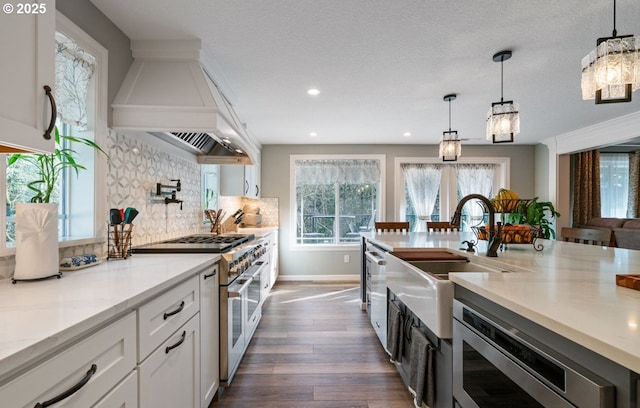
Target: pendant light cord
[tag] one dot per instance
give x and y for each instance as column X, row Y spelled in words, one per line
column 615, row 32
column 502, row 80
column 449, row 115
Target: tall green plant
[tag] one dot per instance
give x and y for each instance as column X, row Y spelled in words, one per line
column 50, row 166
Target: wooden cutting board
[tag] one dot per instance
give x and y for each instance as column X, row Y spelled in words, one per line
column 628, row 281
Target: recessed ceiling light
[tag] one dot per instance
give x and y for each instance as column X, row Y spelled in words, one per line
column 313, row 134
column 313, row 91
column 239, row 151
column 406, row 134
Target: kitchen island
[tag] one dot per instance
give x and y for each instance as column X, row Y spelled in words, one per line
column 562, row 300
column 568, row 288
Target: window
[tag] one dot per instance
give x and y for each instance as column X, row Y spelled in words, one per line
column 614, row 184
column 427, row 189
column 210, row 185
column 336, row 197
column 80, row 92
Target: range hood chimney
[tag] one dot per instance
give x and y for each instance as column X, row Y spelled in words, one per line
column 168, row 94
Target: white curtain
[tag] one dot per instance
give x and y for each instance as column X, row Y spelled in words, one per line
column 423, row 184
column 74, row 71
column 332, row 171
column 475, row 179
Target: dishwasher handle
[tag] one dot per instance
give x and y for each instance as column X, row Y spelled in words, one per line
column 373, row 257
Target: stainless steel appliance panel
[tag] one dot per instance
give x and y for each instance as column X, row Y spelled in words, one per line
column 378, row 293
column 495, row 364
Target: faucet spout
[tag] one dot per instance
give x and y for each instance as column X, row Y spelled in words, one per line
column 493, row 239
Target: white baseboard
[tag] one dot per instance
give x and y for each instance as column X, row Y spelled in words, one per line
column 319, row 278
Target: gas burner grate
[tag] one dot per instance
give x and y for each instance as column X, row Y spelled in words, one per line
column 209, row 239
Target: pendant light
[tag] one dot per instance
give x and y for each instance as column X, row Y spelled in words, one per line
column 450, row 146
column 611, row 71
column 503, row 120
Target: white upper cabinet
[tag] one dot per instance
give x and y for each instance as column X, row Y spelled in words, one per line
column 236, row 180
column 27, row 41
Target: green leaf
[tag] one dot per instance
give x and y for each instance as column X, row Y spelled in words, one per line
column 50, row 166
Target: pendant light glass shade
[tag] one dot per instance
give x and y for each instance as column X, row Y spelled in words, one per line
column 450, row 145
column 503, row 122
column 611, row 71
column 503, row 119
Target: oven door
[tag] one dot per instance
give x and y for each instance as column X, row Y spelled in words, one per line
column 494, row 366
column 235, row 342
column 254, row 298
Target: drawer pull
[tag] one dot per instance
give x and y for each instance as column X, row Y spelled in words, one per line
column 178, row 310
column 210, row 275
column 169, row 348
column 70, row 391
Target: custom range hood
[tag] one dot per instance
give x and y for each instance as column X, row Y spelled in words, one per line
column 168, row 94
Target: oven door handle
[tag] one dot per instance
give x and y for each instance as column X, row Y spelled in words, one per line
column 236, row 293
column 261, row 267
column 372, row 256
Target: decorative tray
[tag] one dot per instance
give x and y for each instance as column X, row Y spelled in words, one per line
column 514, row 234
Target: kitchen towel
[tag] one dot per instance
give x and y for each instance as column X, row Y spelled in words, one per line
column 421, row 375
column 395, row 329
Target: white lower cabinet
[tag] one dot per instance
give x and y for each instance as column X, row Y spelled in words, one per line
column 81, row 375
column 209, row 332
column 125, row 395
column 149, row 358
column 170, row 376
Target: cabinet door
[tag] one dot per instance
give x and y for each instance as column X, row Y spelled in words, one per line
column 236, row 180
column 111, row 351
column 170, row 377
column 27, row 41
column 125, row 395
column 252, row 181
column 209, row 340
column 232, row 180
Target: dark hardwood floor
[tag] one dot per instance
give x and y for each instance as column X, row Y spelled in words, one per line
column 315, row 348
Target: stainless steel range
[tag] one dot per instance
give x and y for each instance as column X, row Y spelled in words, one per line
column 243, row 270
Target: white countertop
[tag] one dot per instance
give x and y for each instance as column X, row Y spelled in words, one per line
column 36, row 317
column 568, row 288
column 258, row 232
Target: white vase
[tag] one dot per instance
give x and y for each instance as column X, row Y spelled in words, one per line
column 36, row 241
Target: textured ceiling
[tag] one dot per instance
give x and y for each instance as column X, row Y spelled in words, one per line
column 383, row 66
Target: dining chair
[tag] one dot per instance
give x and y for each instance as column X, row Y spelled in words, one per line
column 392, row 226
column 441, row 226
column 593, row 236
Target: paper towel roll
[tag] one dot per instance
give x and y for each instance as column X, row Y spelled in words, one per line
column 36, row 240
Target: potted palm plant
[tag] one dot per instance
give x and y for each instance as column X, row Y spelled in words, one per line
column 37, row 221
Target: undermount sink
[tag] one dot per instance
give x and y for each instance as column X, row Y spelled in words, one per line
column 421, row 281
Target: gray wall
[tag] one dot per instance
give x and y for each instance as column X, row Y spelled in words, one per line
column 91, row 20
column 275, row 183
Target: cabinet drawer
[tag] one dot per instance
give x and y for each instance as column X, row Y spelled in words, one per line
column 162, row 316
column 112, row 351
column 125, row 395
column 170, row 377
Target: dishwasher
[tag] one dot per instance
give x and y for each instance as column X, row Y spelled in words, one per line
column 376, row 290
